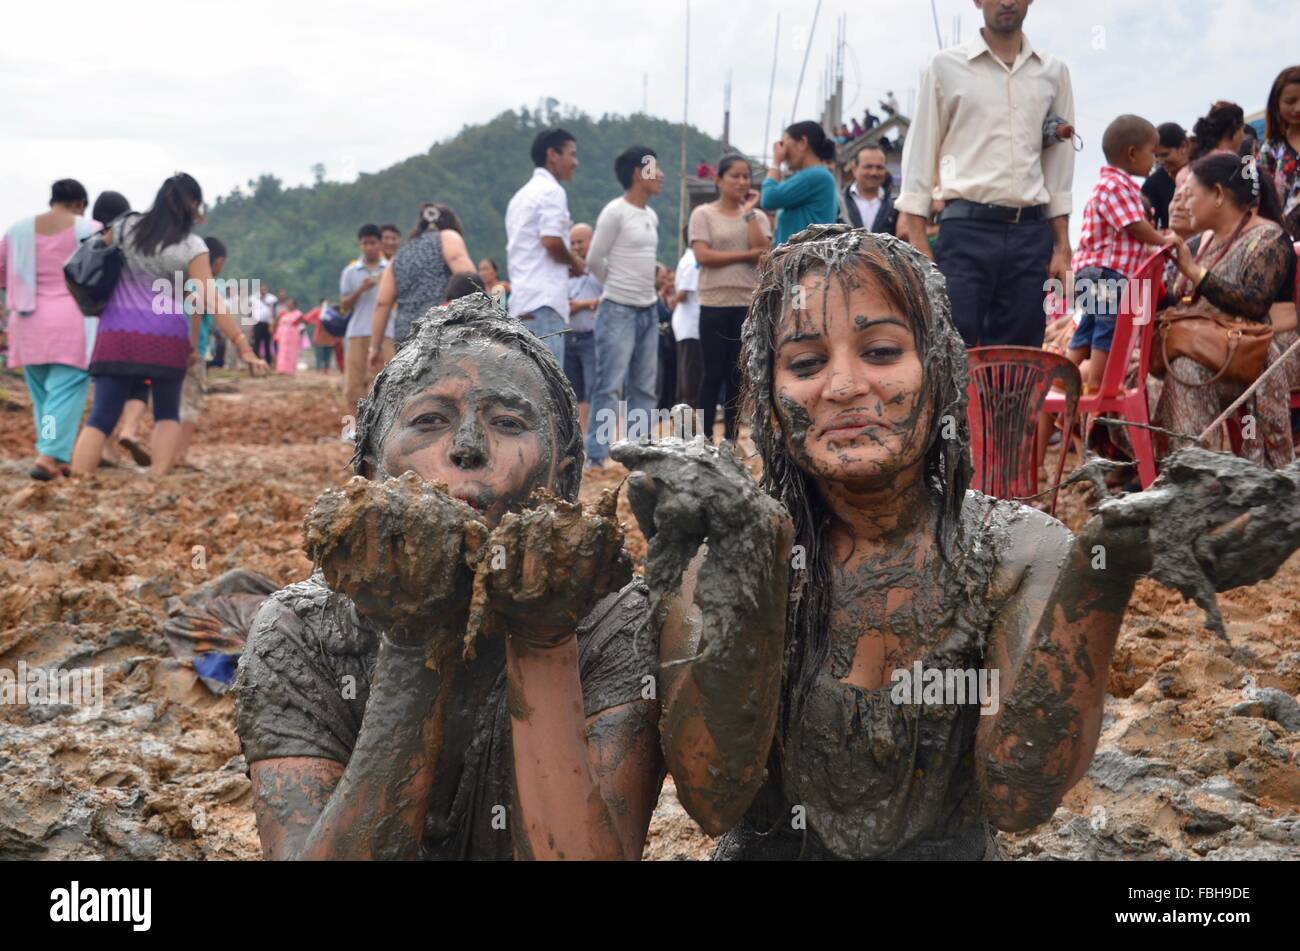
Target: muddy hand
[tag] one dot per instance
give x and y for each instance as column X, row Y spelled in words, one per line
column 541, row 571
column 398, row 549
column 1118, row 537
column 683, row 493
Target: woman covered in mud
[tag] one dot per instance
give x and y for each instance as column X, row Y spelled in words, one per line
column 792, row 720
column 372, row 730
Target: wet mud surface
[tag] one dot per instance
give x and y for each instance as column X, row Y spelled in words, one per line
column 1199, row 754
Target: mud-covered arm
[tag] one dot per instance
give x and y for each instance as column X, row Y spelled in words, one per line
column 720, row 705
column 1052, row 644
column 721, row 616
column 585, row 786
column 374, row 806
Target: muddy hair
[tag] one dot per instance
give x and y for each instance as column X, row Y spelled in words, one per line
column 473, row 318
column 912, row 283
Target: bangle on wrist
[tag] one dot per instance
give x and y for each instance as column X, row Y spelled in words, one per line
column 1200, row 279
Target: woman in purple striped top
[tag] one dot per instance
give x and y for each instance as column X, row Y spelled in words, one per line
column 144, row 332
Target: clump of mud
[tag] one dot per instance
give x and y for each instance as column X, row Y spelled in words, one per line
column 1217, row 523
column 401, row 548
column 555, row 555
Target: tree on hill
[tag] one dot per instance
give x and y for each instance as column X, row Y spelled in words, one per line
column 300, row 238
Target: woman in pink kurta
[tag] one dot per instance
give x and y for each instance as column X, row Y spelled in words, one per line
column 47, row 331
column 288, row 339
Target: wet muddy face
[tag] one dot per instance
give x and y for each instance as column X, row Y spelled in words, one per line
column 848, row 381
column 481, row 426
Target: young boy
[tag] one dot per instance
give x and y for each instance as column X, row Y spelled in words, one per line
column 1114, row 241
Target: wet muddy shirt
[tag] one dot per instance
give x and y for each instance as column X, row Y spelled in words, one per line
column 876, row 778
column 309, row 644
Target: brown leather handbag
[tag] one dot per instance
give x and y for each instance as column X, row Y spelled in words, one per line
column 1235, row 349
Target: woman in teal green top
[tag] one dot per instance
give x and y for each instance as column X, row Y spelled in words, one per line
column 808, row 196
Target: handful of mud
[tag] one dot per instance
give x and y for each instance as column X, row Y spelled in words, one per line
column 399, row 548
column 421, row 562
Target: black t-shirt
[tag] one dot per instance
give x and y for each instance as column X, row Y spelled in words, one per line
column 304, row 681
column 1159, row 189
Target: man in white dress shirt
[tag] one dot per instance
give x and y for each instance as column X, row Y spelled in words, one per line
column 1005, row 184
column 537, row 241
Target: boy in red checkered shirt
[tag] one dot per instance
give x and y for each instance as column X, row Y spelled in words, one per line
column 1115, row 239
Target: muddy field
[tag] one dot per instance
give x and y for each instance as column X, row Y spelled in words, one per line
column 1198, row 758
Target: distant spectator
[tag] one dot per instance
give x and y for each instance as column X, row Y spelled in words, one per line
column 1221, row 129
column 47, row 331
column 686, row 331
column 729, row 238
column 390, row 239
column 462, row 285
column 493, row 286
column 416, row 278
column 1006, row 216
column 808, row 196
column 358, row 294
column 623, row 258
column 109, row 206
column 135, row 341
column 580, row 347
column 1279, row 157
column 537, row 236
column 1172, row 155
column 867, row 199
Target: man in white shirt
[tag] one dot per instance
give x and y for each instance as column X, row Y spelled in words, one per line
column 623, row 256
column 1004, row 229
column 686, row 330
column 867, row 199
column 537, row 241
column 264, row 307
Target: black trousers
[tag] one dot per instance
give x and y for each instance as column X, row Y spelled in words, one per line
column 262, row 342
column 720, row 343
column 997, row 280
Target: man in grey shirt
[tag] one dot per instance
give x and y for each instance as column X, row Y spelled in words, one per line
column 580, row 346
column 623, row 257
column 359, row 290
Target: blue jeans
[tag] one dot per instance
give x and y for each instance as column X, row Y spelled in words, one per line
column 546, row 322
column 580, row 363
column 627, row 362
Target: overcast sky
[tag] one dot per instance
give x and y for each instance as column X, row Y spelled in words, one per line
column 120, row 95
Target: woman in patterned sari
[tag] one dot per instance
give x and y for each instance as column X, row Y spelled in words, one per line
column 1244, row 264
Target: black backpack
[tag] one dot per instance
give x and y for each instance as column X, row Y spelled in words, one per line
column 93, row 272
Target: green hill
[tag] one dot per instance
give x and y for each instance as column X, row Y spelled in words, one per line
column 300, row 238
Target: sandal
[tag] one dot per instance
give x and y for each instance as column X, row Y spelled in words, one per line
column 137, row 451
column 42, row 474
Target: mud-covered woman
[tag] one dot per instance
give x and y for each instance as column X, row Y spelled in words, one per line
column 903, row 665
column 385, row 716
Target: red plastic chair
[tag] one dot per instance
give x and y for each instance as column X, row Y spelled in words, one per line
column 1133, row 326
column 1007, row 389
